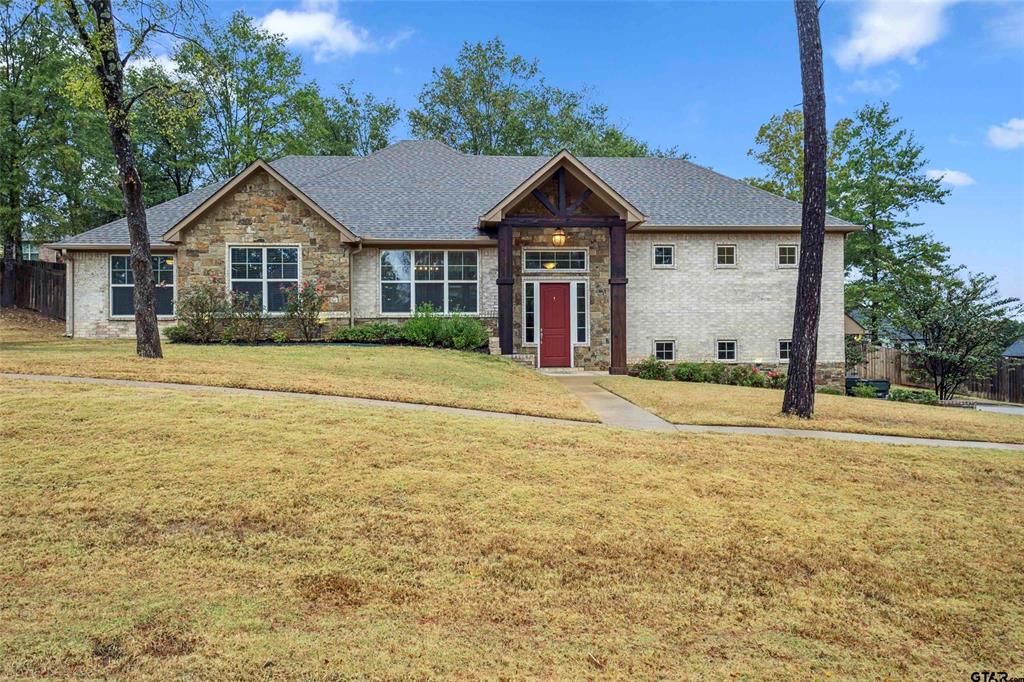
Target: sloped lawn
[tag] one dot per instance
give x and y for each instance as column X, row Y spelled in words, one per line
column 153, row 535
column 32, row 345
column 695, row 403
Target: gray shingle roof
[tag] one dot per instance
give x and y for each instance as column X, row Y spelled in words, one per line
column 427, row 190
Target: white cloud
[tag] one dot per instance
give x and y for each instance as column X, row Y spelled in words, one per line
column 880, row 87
column 1009, row 135
column 161, row 60
column 890, row 29
column 953, row 178
column 316, row 25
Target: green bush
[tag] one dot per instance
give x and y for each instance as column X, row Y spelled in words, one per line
column 280, row 336
column 374, row 332
column 909, row 395
column 757, row 379
column 689, row 371
column 427, row 328
column 717, row 373
column 652, row 368
column 203, row 311
column 424, row 328
column 776, row 379
column 248, row 321
column 864, row 391
column 303, row 305
column 463, row 333
column 829, row 390
column 177, row 333
column 740, row 375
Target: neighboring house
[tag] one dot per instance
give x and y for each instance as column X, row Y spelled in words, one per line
column 588, row 262
column 1016, row 350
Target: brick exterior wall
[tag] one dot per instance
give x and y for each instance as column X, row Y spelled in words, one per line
column 596, row 354
column 696, row 303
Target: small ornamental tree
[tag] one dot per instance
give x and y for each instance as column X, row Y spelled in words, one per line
column 303, row 306
column 956, row 322
column 203, row 311
column 248, row 319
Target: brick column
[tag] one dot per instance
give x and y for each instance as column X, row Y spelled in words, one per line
column 617, row 282
column 504, row 282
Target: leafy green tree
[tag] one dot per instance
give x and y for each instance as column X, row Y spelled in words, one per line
column 346, row 125
column 493, row 102
column 957, row 321
column 249, row 83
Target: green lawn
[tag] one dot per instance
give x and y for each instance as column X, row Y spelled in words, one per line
column 150, row 534
column 32, row 345
column 694, row 403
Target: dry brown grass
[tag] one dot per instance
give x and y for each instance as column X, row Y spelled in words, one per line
column 149, row 534
column 693, row 403
column 30, row 344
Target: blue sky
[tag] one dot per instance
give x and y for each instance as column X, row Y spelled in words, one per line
column 704, row 76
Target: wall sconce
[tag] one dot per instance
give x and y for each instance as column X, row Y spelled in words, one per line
column 558, row 238
column 550, row 265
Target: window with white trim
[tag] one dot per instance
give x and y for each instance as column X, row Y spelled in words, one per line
column 29, row 251
column 122, row 286
column 665, row 350
column 581, row 312
column 664, row 255
column 726, row 350
column 725, row 255
column 785, row 346
column 265, row 273
column 565, row 260
column 446, row 280
column 530, row 312
column 787, row 256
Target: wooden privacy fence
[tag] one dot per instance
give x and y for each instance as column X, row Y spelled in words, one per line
column 1007, row 384
column 39, row 286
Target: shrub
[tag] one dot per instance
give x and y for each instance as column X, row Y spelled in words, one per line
column 463, row 333
column 280, row 336
column 740, row 375
column 689, row 371
column 652, row 368
column 177, row 333
column 202, row 310
column 864, row 391
column 374, row 332
column 829, row 390
column 908, row 395
column 424, row 328
column 757, row 379
column 776, row 379
column 716, row 373
column 248, row 321
column 303, row 305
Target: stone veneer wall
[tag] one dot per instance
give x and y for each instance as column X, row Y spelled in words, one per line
column 696, row 303
column 597, row 354
column 261, row 212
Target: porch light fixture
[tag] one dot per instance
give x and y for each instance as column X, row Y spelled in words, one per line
column 550, row 265
column 558, row 238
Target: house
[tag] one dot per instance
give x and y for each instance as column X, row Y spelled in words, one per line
column 1015, row 350
column 573, row 262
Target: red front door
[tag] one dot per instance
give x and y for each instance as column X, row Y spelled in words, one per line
column 555, row 331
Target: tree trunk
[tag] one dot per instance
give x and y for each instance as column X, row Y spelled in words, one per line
column 109, row 72
column 7, row 298
column 799, row 398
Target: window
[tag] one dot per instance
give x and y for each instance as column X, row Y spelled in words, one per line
column 265, row 273
column 446, row 280
column 665, row 350
column 784, row 347
column 581, row 312
column 726, row 350
column 725, row 255
column 29, row 251
column 664, row 256
column 122, row 286
column 787, row 255
column 530, row 312
column 571, row 260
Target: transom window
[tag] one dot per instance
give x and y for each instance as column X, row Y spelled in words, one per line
column 725, row 255
column 785, row 346
column 664, row 255
column 122, row 286
column 265, row 273
column 665, row 350
column 564, row 260
column 726, row 350
column 446, row 280
column 787, row 255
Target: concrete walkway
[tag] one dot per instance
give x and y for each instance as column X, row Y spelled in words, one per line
column 610, row 408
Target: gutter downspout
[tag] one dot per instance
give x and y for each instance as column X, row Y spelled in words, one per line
column 352, row 283
column 69, row 293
